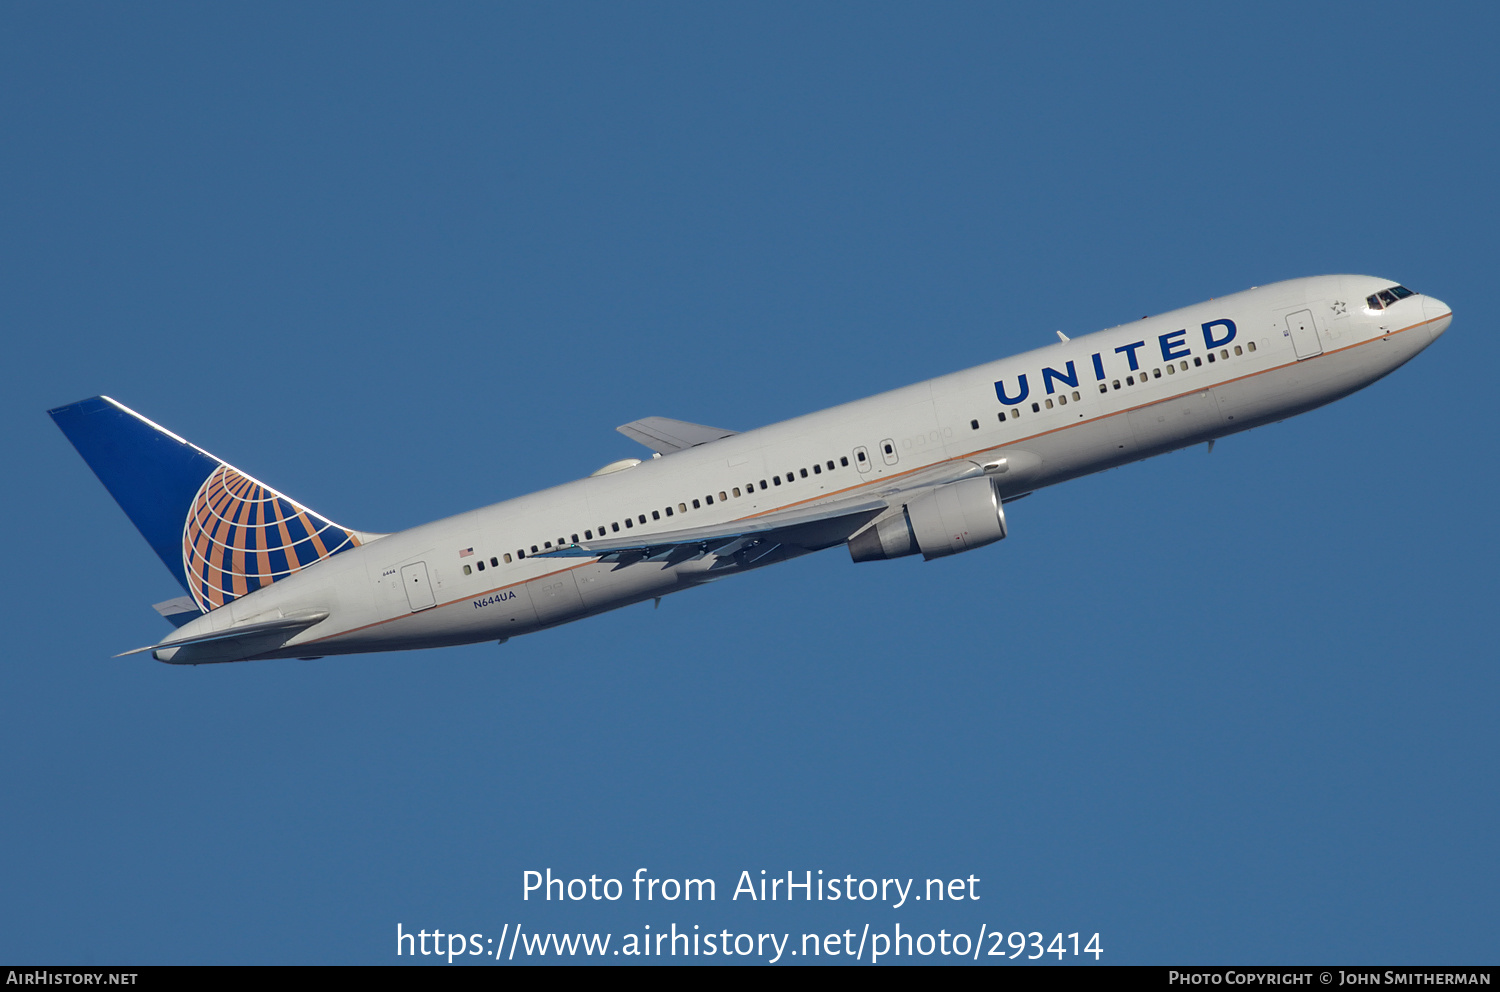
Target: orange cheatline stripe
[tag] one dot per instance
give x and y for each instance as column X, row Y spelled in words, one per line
column 887, row 479
column 451, row 602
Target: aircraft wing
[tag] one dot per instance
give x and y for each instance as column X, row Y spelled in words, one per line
column 664, row 435
column 746, row 541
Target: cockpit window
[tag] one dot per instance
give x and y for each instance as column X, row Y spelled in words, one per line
column 1386, row 297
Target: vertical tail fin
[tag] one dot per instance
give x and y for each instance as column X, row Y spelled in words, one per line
column 220, row 532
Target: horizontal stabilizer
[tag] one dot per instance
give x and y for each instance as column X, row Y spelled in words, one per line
column 179, row 611
column 256, row 637
column 664, row 435
column 806, row 527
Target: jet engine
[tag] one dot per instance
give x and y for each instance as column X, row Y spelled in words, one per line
column 940, row 522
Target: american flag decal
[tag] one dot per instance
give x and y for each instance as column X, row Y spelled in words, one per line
column 466, row 553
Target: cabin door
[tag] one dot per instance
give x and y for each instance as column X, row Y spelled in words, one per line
column 418, row 588
column 1304, row 334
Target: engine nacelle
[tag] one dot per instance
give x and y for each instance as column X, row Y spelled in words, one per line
column 957, row 517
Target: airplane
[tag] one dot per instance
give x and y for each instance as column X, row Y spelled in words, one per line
column 927, row 469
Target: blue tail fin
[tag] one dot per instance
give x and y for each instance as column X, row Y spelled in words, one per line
column 220, row 532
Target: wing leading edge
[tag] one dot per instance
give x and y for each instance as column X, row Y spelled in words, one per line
column 741, row 542
column 746, row 541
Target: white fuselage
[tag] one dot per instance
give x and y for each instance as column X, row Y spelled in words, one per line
column 1056, row 413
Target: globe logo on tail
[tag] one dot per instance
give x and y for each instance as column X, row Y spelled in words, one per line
column 241, row 535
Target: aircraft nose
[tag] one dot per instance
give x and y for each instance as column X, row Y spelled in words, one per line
column 1439, row 315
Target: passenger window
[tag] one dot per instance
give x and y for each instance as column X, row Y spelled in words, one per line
column 722, row 497
column 804, row 473
column 1062, row 400
column 1210, row 358
column 1238, row 351
column 749, row 487
column 736, row 492
column 1036, row 408
column 844, row 461
column 1049, row 404
column 1103, row 388
column 533, row 549
column 480, row 563
column 1184, row 365
column 546, row 544
column 697, row 505
column 468, row 570
column 709, row 500
column 628, row 522
column 776, row 480
column 1171, row 370
column 494, row 562
column 655, row 515
column 1225, row 353
column 1116, row 383
column 1198, row 362
column 1015, row 413
column 1076, row 397
column 681, row 507
column 615, row 527
column 830, row 463
column 507, row 558
column 643, row 518
column 588, row 534
column 1250, row 345
column 1156, row 373
column 762, row 484
column 1002, row 416
column 1130, row 380
column 861, row 456
column 973, row 425
column 669, row 511
column 889, row 450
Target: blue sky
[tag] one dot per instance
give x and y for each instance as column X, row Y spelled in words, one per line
column 400, row 262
